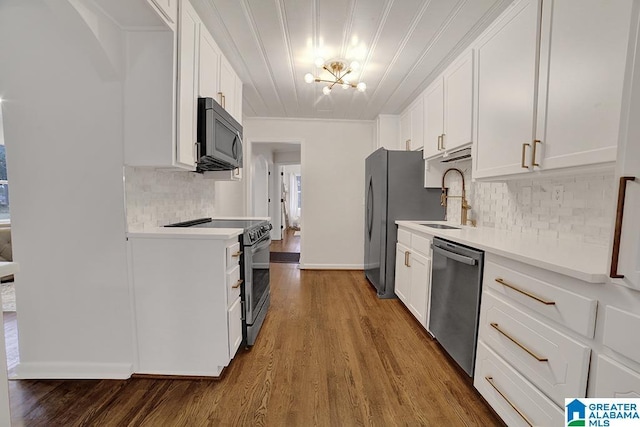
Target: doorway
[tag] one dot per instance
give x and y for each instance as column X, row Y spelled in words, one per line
column 276, row 191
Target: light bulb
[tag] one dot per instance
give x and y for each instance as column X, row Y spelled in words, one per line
column 355, row 65
column 309, row 78
column 362, row 86
column 319, row 62
column 326, row 90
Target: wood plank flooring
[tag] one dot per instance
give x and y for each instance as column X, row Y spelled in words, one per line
column 289, row 242
column 330, row 354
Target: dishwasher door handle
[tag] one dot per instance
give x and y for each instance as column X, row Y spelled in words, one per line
column 456, row 257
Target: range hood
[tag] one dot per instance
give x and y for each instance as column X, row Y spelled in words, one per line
column 454, row 156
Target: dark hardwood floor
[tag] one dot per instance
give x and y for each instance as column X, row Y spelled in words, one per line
column 330, row 353
column 289, row 242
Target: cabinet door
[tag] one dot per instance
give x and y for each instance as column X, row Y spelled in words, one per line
column 420, row 267
column 615, row 380
column 402, row 284
column 506, row 92
column 169, row 9
column 629, row 166
column 433, row 119
column 405, row 130
column 238, row 106
column 227, row 96
column 235, row 327
column 458, row 103
column 583, row 51
column 209, row 65
column 188, row 40
column 417, row 125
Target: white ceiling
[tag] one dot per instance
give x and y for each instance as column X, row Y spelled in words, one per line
column 402, row 46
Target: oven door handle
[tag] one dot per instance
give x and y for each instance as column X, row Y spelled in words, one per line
column 261, row 245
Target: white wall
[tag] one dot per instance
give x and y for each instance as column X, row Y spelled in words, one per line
column 63, row 132
column 332, row 163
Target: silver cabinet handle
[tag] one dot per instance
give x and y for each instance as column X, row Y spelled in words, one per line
column 523, row 292
column 504, row 396
column 516, row 342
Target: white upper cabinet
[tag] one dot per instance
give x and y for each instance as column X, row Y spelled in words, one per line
column 433, row 118
column 412, row 126
column 228, row 91
column 417, row 124
column 405, row 130
column 583, row 52
column 625, row 252
column 458, row 103
column 448, row 108
column 506, row 92
column 549, row 86
column 168, row 9
column 188, row 76
column 209, row 66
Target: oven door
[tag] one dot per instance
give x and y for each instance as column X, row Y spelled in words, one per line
column 256, row 278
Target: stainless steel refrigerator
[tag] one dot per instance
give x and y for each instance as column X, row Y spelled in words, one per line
column 394, row 188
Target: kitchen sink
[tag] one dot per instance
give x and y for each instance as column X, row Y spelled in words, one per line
column 441, row 226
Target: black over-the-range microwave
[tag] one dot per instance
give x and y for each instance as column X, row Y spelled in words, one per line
column 219, row 138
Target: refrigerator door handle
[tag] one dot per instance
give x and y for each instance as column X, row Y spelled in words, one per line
column 370, row 207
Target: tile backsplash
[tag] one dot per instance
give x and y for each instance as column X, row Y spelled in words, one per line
column 158, row 197
column 583, row 209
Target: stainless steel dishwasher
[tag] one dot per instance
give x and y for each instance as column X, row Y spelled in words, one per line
column 456, row 283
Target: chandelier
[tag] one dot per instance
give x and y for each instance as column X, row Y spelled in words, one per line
column 339, row 72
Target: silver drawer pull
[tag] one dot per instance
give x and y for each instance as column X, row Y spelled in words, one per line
column 523, row 292
column 238, row 283
column 516, row 342
column 524, row 417
column 237, row 254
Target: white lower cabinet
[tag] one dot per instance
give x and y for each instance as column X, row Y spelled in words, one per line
column 413, row 273
column 513, row 397
column 534, row 341
column 615, row 380
column 186, row 299
column 553, row 362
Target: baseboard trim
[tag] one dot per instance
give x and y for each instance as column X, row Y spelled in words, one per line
column 71, row 371
column 331, row 266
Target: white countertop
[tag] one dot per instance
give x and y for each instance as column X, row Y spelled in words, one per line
column 186, row 233
column 7, row 268
column 587, row 262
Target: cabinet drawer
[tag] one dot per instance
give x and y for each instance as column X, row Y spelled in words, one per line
column 553, row 362
column 404, row 237
column 615, row 380
column 574, row 311
column 421, row 244
column 233, row 285
column 511, row 395
column 621, row 332
column 233, row 255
